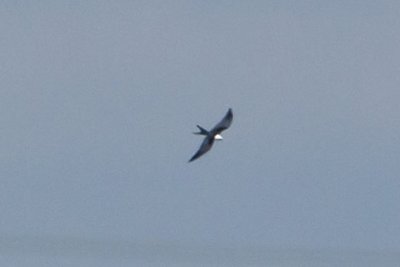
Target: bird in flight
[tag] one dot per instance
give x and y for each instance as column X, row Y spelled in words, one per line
column 213, row 134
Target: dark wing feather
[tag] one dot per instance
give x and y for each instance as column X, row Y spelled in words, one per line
column 224, row 123
column 205, row 146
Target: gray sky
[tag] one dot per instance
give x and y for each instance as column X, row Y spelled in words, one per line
column 99, row 99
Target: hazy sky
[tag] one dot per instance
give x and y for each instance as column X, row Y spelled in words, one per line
column 99, row 99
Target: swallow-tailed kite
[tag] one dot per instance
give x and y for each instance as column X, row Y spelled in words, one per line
column 213, row 134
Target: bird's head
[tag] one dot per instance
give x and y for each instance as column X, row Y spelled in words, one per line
column 218, row 137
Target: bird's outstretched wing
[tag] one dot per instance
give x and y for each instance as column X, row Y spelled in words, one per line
column 223, row 124
column 205, row 146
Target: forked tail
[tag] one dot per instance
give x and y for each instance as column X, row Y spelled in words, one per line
column 202, row 131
